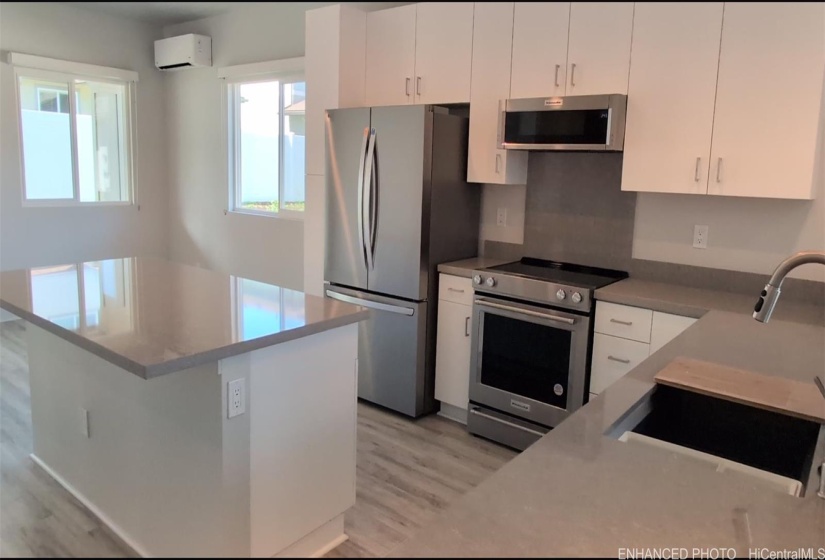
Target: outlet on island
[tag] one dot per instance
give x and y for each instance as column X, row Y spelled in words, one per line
column 235, row 398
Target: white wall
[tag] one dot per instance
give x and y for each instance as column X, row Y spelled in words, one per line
column 269, row 249
column 37, row 236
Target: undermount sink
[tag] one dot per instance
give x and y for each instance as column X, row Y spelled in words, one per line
column 737, row 434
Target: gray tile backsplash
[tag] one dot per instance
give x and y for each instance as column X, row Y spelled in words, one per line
column 576, row 211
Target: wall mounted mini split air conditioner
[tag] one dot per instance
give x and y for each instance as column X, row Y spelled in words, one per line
column 184, row 51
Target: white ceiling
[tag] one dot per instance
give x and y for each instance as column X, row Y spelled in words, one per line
column 159, row 13
column 168, row 13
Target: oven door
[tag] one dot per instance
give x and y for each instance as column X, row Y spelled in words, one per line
column 527, row 360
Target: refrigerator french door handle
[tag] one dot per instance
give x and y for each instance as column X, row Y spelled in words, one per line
column 373, row 201
column 369, row 229
column 371, row 304
column 361, row 163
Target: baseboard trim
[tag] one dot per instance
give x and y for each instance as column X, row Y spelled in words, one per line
column 454, row 413
column 320, row 541
column 118, row 531
column 314, row 545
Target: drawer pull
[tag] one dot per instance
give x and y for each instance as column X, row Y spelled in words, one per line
column 620, row 360
column 455, row 290
column 628, row 323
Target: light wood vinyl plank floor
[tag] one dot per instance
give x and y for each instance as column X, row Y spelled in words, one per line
column 407, row 473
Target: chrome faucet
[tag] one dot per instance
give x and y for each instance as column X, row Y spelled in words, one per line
column 767, row 299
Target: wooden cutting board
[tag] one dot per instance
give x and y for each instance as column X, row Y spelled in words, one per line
column 778, row 394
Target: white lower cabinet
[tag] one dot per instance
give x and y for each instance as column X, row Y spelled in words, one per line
column 612, row 358
column 625, row 336
column 666, row 327
column 452, row 362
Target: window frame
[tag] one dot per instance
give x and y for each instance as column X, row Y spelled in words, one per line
column 233, row 78
column 57, row 98
column 128, row 149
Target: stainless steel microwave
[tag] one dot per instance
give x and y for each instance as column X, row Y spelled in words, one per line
column 580, row 122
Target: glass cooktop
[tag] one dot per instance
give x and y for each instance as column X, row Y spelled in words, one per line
column 562, row 273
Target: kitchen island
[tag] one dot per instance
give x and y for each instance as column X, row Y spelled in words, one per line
column 134, row 365
column 579, row 491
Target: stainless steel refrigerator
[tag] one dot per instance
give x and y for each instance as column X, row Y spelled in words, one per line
column 398, row 204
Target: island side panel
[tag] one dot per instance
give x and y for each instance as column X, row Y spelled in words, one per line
column 303, row 438
column 152, row 464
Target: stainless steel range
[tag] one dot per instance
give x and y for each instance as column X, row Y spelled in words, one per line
column 531, row 342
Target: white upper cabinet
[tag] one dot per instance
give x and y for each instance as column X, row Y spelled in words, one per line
column 419, row 53
column 492, row 43
column 539, row 60
column 598, row 53
column 671, row 97
column 390, row 60
column 570, row 48
column 443, row 52
column 768, row 100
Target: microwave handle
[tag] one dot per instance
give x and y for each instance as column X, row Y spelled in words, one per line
column 500, row 131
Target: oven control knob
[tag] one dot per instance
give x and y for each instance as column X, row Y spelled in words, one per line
column 477, row 280
column 576, row 297
column 560, row 295
column 491, row 282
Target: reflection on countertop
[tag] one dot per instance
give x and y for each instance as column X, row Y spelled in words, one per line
column 152, row 316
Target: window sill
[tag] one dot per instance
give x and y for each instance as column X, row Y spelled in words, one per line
column 282, row 215
column 71, row 204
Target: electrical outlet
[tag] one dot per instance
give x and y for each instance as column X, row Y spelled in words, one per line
column 235, row 398
column 501, row 217
column 700, row 237
column 84, row 422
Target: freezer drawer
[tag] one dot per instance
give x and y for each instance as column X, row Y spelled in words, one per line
column 391, row 350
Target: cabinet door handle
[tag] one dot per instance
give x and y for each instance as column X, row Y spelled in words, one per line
column 626, row 323
column 418, row 85
column 498, row 163
column 407, row 86
column 573, row 75
column 556, row 80
column 455, row 290
column 466, row 326
column 696, row 172
column 719, row 171
column 620, row 360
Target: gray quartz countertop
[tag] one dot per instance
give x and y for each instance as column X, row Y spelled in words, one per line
column 579, row 492
column 152, row 316
column 466, row 267
column 694, row 302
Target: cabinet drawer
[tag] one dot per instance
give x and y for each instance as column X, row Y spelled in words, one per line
column 612, row 358
column 624, row 321
column 455, row 289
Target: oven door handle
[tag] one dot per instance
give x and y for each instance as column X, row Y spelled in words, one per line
column 529, row 312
